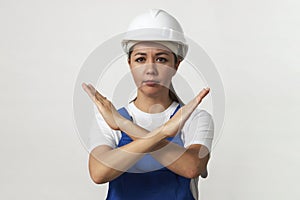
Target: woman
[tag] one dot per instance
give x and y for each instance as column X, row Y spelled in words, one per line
column 155, row 147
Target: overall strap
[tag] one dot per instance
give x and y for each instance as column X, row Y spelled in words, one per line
column 177, row 108
column 125, row 113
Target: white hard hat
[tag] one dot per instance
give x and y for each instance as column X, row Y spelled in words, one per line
column 158, row 26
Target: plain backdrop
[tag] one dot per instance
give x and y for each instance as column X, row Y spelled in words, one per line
column 254, row 45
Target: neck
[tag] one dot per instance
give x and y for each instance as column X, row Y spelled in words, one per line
column 151, row 104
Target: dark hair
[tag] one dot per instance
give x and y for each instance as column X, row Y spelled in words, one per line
column 173, row 95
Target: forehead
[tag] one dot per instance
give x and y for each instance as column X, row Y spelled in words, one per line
column 150, row 46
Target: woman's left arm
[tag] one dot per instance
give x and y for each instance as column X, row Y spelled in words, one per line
column 188, row 162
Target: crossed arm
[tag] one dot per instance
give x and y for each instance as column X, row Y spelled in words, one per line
column 106, row 164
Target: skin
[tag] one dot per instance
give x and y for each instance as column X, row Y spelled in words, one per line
column 148, row 62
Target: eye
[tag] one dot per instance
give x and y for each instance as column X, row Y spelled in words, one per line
column 161, row 59
column 140, row 59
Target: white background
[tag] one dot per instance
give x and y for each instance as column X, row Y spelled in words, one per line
column 254, row 45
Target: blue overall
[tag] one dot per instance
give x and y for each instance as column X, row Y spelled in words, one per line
column 155, row 183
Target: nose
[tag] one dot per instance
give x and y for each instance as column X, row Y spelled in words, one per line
column 151, row 69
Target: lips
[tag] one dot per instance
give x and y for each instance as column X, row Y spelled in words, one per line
column 150, row 82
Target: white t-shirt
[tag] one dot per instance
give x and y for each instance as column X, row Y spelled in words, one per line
column 198, row 129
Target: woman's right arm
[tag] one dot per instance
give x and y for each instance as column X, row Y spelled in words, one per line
column 106, row 164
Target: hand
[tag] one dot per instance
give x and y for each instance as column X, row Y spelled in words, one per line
column 105, row 107
column 171, row 127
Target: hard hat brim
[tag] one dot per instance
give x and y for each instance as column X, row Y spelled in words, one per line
column 161, row 35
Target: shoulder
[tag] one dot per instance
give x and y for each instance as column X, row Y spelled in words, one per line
column 102, row 134
column 198, row 129
column 199, row 117
column 200, row 114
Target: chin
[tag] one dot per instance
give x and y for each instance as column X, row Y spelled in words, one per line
column 151, row 91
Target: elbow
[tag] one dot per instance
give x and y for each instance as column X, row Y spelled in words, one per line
column 97, row 175
column 97, row 172
column 196, row 170
column 195, row 173
column 98, row 179
column 192, row 173
column 98, row 182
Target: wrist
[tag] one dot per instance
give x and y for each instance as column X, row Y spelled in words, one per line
column 124, row 124
column 159, row 133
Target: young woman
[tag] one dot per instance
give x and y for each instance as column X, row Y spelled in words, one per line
column 155, row 147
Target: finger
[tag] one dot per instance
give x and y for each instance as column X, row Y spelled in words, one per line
column 97, row 94
column 93, row 90
column 88, row 90
column 202, row 94
column 99, row 97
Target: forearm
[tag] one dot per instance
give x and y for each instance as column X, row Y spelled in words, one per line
column 107, row 165
column 176, row 158
column 190, row 162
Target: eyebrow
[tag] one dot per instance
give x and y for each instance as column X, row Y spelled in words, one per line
column 157, row 54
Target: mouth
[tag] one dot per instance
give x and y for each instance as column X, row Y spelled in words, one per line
column 150, row 82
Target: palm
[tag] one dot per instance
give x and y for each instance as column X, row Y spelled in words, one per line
column 178, row 120
column 105, row 107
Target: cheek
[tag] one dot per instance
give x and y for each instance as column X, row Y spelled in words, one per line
column 137, row 74
column 167, row 72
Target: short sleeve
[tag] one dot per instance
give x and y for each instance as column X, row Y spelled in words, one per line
column 100, row 134
column 198, row 129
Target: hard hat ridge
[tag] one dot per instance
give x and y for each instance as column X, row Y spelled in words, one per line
column 155, row 12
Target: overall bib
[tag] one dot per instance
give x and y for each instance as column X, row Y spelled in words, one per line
column 156, row 183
